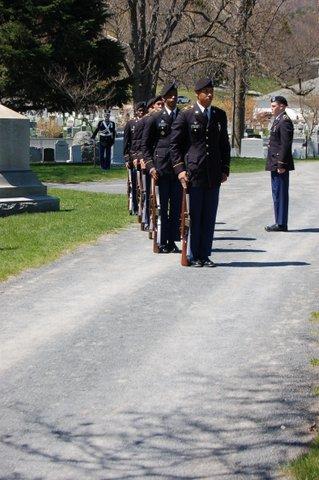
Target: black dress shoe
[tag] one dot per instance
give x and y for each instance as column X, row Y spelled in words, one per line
column 173, row 248
column 209, row 263
column 276, row 228
column 196, row 263
column 164, row 249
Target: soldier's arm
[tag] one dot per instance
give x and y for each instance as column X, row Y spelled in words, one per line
column 94, row 134
column 178, row 141
column 224, row 145
column 148, row 139
column 127, row 140
column 286, row 137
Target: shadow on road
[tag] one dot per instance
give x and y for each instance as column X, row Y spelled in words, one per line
column 263, row 264
column 226, row 230
column 234, row 238
column 305, row 230
column 221, row 431
column 237, row 250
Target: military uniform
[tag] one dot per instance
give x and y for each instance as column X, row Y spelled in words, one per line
column 280, row 156
column 156, row 151
column 200, row 145
column 107, row 131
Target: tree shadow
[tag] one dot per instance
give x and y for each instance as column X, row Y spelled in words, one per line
column 233, row 428
column 263, row 264
column 8, row 248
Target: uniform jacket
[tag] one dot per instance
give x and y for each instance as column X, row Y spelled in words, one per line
column 107, row 132
column 156, row 142
column 280, row 142
column 201, row 147
column 128, row 143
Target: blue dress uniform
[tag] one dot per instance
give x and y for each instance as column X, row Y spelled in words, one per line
column 156, row 151
column 106, row 128
column 280, row 156
column 200, row 146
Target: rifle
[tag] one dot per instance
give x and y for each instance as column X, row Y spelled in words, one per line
column 156, row 216
column 141, row 195
column 129, row 191
column 185, row 226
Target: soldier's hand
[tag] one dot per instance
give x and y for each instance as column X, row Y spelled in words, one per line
column 224, row 177
column 142, row 164
column 135, row 161
column 183, row 178
column 154, row 173
column 281, row 170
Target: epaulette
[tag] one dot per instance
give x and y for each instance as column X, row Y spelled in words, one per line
column 285, row 117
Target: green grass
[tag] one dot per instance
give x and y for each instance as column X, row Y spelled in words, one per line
column 75, row 173
column 306, row 467
column 263, row 84
column 32, row 240
column 242, row 165
column 314, row 317
column 314, row 362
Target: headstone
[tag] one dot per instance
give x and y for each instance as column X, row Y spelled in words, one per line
column 20, row 189
column 252, row 148
column 48, row 155
column 62, row 152
column 76, row 154
column 35, row 154
column 117, row 151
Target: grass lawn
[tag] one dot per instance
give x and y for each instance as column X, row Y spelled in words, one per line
column 75, row 173
column 32, row 240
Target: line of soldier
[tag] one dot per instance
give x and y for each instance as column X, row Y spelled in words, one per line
column 177, row 160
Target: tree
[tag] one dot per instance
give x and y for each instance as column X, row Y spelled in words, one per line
column 54, row 55
column 156, row 28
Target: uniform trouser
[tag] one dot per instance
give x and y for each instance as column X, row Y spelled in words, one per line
column 280, row 195
column 134, row 190
column 203, row 210
column 105, row 156
column 170, row 193
column 146, row 207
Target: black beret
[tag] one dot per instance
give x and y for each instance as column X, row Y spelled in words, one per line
column 167, row 88
column 139, row 105
column 279, row 99
column 203, row 83
column 153, row 100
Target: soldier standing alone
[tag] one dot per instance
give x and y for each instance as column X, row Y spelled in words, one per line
column 280, row 162
column 106, row 128
column 200, row 152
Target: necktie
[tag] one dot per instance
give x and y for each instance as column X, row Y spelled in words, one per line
column 206, row 113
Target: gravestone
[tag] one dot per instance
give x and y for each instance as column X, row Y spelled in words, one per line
column 48, row 155
column 76, row 154
column 252, row 148
column 62, row 151
column 35, row 154
column 20, row 189
column 117, row 151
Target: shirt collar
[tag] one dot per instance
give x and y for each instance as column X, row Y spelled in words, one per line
column 169, row 111
column 203, row 108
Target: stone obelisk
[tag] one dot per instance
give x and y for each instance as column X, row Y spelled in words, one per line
column 20, row 189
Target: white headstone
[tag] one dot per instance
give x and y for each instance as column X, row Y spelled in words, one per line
column 252, row 148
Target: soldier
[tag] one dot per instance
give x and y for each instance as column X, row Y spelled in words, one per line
column 156, row 150
column 280, row 162
column 107, row 131
column 200, row 153
column 155, row 104
column 130, row 155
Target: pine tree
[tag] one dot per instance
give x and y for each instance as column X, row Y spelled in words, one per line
column 54, row 55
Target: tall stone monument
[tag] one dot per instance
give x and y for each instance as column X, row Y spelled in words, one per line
column 20, row 189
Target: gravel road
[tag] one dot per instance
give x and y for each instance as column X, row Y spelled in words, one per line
column 120, row 364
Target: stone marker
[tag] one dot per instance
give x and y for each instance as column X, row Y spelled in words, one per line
column 20, row 190
column 36, row 154
column 117, row 151
column 76, row 154
column 48, row 155
column 252, row 148
column 62, row 151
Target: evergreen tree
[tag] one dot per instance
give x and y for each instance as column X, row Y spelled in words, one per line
column 54, row 55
